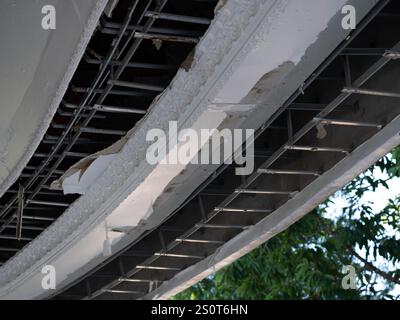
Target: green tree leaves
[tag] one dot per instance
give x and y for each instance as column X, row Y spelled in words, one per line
column 306, row 260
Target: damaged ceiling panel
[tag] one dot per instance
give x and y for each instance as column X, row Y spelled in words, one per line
column 297, row 166
column 114, row 225
column 35, row 73
column 135, row 52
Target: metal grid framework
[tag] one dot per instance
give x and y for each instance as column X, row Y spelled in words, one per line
column 306, row 137
column 131, row 58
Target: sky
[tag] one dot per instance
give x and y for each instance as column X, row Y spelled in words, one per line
column 378, row 199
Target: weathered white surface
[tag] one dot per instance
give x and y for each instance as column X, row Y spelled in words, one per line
column 36, row 66
column 288, row 31
column 240, row 29
column 79, row 182
column 293, row 210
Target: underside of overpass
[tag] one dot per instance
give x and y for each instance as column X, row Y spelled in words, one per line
column 316, row 129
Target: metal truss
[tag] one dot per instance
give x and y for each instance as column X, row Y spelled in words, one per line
column 80, row 122
column 225, row 205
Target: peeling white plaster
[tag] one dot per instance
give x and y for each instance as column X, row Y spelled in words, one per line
column 31, row 89
column 126, row 192
column 291, row 27
column 79, row 182
column 231, row 107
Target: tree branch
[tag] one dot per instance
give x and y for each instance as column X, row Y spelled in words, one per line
column 372, row 268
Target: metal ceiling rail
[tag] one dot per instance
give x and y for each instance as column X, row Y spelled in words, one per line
column 263, row 169
column 123, row 48
column 154, row 30
column 164, row 37
column 127, row 93
column 293, row 172
column 26, row 227
column 371, row 92
column 29, row 208
column 347, row 123
column 114, row 109
column 69, row 128
column 207, row 218
column 327, row 110
column 9, row 237
column 136, row 85
column 175, row 17
column 138, row 65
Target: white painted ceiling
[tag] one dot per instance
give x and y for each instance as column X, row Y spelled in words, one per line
column 35, row 68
